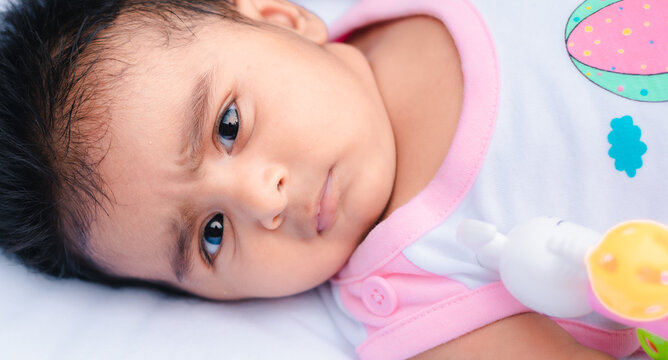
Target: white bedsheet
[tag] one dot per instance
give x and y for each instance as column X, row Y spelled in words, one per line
column 43, row 318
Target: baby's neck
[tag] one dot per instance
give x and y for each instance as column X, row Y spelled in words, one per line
column 418, row 71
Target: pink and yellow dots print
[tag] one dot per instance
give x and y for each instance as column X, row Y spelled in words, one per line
column 622, row 46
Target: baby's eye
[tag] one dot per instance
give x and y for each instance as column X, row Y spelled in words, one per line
column 228, row 126
column 213, row 236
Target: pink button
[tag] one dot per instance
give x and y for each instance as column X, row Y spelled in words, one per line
column 378, row 296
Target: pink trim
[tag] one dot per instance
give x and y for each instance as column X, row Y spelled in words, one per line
column 469, row 146
column 617, row 343
column 440, row 323
column 403, row 277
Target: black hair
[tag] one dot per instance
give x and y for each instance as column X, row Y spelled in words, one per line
column 50, row 52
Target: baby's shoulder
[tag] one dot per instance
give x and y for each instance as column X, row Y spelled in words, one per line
column 413, row 36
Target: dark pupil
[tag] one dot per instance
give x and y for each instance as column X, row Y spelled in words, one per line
column 229, row 125
column 214, row 230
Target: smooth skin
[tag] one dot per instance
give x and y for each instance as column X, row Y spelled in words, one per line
column 307, row 111
column 375, row 117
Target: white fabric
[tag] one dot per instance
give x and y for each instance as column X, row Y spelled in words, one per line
column 328, row 10
column 549, row 153
column 43, row 318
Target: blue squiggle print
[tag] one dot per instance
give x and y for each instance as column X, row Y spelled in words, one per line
column 626, row 149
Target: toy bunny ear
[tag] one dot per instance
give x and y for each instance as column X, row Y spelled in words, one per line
column 286, row 15
column 484, row 239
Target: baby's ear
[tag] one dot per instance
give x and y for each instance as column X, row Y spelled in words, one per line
column 285, row 14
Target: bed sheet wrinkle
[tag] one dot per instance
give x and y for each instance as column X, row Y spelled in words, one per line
column 44, row 318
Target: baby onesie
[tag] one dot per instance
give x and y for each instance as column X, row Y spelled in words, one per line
column 564, row 114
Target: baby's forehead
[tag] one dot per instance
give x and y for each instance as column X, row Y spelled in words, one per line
column 128, row 62
column 133, row 49
column 139, row 31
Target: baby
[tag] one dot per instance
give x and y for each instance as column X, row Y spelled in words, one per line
column 229, row 150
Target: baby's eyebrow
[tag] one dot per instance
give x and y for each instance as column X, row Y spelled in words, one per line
column 195, row 121
column 193, row 153
column 180, row 254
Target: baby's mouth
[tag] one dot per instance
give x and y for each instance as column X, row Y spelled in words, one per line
column 327, row 206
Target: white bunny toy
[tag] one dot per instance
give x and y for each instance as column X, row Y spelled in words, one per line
column 566, row 270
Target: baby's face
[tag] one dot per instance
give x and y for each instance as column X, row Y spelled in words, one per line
column 249, row 162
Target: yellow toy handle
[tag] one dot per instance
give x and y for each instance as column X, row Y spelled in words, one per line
column 628, row 270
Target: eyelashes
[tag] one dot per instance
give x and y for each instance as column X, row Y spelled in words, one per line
column 229, row 123
column 228, row 127
column 212, row 238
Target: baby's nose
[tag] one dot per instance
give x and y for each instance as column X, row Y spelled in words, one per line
column 267, row 196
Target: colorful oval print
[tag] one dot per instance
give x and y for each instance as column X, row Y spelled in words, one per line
column 622, row 46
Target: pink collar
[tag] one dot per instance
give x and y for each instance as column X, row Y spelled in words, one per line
column 469, row 146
